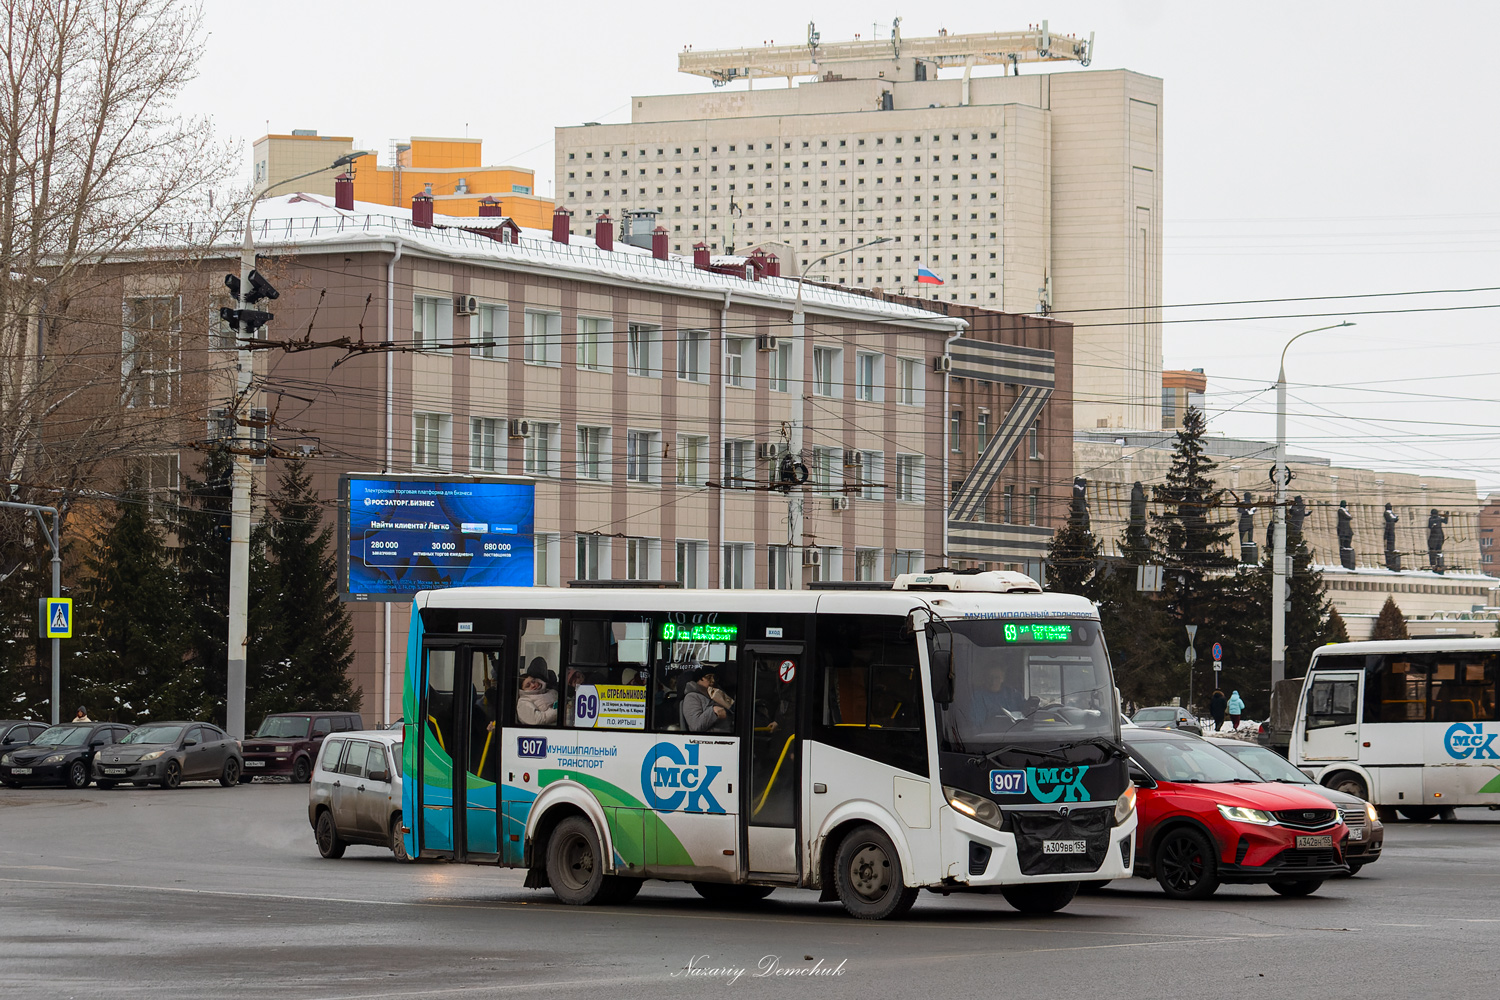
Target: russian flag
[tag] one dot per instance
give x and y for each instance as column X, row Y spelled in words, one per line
column 926, row 277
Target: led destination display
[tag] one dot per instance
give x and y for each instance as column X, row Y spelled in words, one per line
column 1038, row 632
column 699, row 633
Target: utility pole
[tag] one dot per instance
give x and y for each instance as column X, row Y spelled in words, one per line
column 247, row 289
column 1281, row 475
column 794, row 375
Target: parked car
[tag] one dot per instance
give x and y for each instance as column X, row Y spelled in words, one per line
column 59, row 755
column 1366, row 832
column 286, row 743
column 169, row 753
column 18, row 732
column 1206, row 820
column 355, row 797
column 1167, row 717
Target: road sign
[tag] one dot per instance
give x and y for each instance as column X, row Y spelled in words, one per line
column 1191, row 656
column 1192, row 632
column 1218, row 652
column 56, row 617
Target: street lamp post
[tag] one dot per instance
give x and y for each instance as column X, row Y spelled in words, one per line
column 239, row 508
column 1280, row 474
column 794, row 377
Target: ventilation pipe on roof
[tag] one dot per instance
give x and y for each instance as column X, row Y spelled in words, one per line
column 561, row 219
column 604, row 232
column 659, row 243
column 701, row 259
column 343, row 192
column 421, row 210
column 489, row 207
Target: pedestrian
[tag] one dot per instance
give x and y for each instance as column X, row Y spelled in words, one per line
column 1216, row 706
column 83, row 715
column 1236, row 708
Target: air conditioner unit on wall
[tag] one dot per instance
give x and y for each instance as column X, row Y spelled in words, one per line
column 767, row 342
column 853, row 459
column 520, row 428
column 768, row 450
column 466, row 305
column 942, row 363
column 812, row 557
column 840, row 503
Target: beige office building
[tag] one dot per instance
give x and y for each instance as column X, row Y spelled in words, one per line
column 1022, row 193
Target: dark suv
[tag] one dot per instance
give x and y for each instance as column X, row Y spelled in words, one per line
column 287, row 742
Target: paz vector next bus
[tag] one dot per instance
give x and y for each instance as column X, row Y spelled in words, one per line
column 953, row 732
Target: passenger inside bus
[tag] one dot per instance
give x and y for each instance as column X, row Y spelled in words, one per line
column 536, row 702
column 702, row 712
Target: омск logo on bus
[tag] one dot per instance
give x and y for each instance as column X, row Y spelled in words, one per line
column 1469, row 741
column 669, row 782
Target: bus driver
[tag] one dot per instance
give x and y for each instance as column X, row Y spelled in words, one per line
column 1002, row 696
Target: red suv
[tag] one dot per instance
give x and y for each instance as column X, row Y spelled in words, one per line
column 287, row 743
column 1206, row 820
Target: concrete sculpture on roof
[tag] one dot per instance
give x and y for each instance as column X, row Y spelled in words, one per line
column 1435, row 538
column 1392, row 557
column 1248, row 554
column 1346, row 535
column 1080, row 502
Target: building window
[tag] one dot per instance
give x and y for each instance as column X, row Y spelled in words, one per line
column 827, row 470
column 593, row 453
column 489, row 329
column 1034, row 440
column 642, row 456
column 642, row 559
column 692, row 355
column 692, row 459
column 830, row 565
column 826, row 375
column 1033, row 503
column 909, row 478
column 956, row 431
column 1008, row 508
column 542, row 343
column 542, row 447
column 739, row 362
column 869, row 378
column 738, row 571
column 160, row 479
column 982, row 431
column 592, row 558
column 781, row 367
column 739, row 463
column 643, row 350
column 779, row 567
column 871, row 473
column 432, row 443
column 431, row 321
column 593, row 343
column 545, row 560
column 867, row 565
column 484, row 452
column 906, row 561
column 909, row 382
column 692, row 564
column 151, row 350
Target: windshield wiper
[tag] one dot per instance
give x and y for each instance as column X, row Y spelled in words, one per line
column 1103, row 743
column 1021, row 748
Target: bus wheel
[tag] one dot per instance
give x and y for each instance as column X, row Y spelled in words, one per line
column 620, row 889
column 574, row 865
column 1349, row 784
column 1419, row 814
column 1300, row 887
column 719, row 892
column 1044, row 897
column 868, row 876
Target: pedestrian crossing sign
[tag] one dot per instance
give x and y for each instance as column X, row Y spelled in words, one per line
column 57, row 617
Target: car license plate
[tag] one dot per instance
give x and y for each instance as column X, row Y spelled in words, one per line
column 1356, row 835
column 255, row 763
column 20, row 770
column 113, row 770
column 1326, row 840
column 1064, row 847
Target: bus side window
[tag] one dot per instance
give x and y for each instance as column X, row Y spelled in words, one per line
column 541, row 654
column 1463, row 688
column 1331, row 703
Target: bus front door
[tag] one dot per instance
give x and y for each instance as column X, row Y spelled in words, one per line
column 775, row 767
column 460, row 750
column 1331, row 717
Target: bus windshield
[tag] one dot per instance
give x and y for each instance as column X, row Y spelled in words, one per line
column 1025, row 681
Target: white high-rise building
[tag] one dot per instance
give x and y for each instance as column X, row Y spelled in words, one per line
column 1029, row 193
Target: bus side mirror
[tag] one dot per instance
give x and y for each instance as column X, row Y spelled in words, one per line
column 941, row 661
column 1139, row 778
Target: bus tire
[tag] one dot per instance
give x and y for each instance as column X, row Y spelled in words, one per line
column 1092, row 887
column 575, row 865
column 1347, row 782
column 1043, row 897
column 868, row 876
column 1299, row 887
column 1419, row 814
column 722, row 892
column 620, row 889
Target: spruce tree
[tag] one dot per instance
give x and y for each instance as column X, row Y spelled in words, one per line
column 1334, row 628
column 25, row 658
column 1307, row 612
column 1073, row 557
column 131, row 656
column 203, row 559
column 306, row 666
column 1391, row 623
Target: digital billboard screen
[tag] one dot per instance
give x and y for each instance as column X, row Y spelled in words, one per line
column 405, row 534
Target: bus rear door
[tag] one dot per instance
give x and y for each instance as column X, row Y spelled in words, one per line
column 461, row 752
column 1331, row 717
column 775, row 766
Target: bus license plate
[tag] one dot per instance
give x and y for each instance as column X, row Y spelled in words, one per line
column 1064, row 847
column 1326, row 840
column 113, row 770
column 20, row 770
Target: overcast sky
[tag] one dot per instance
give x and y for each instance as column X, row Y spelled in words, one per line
column 1311, row 150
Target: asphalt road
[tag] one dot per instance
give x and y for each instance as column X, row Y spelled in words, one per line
column 209, row 892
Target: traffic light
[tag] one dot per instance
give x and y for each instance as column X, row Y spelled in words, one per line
column 248, row 321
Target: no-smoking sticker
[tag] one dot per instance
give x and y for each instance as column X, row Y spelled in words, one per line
column 787, row 670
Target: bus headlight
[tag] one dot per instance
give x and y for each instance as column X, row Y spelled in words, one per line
column 1243, row 814
column 974, row 806
column 1125, row 805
